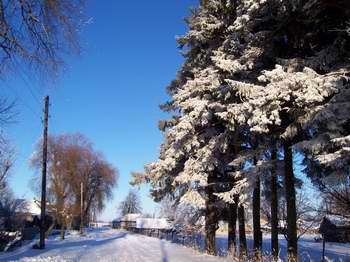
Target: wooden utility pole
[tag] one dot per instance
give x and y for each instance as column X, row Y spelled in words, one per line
column 43, row 178
column 81, row 208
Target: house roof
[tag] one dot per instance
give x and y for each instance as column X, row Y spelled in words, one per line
column 131, row 217
column 152, row 223
column 28, row 206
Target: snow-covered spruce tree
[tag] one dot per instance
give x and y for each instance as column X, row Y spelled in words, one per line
column 229, row 81
column 242, row 58
column 198, row 137
column 195, row 140
column 191, row 163
column 288, row 101
column 309, row 41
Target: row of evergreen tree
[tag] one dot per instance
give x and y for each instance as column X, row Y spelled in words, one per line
column 262, row 80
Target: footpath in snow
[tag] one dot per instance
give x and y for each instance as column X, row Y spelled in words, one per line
column 112, row 246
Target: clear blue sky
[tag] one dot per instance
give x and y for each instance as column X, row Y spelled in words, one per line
column 110, row 93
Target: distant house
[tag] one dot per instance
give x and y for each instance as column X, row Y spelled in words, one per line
column 135, row 222
column 128, row 221
column 100, row 224
column 116, row 223
column 29, row 207
column 152, row 223
column 27, row 217
column 153, row 226
column 335, row 230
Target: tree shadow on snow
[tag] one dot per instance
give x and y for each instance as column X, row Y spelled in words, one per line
column 308, row 249
column 164, row 253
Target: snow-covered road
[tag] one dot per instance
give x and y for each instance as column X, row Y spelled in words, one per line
column 113, row 245
column 110, row 245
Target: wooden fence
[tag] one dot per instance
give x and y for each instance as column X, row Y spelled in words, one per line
column 190, row 240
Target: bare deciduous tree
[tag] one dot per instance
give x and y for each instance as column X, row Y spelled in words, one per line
column 131, row 204
column 8, row 204
column 37, row 33
column 336, row 196
column 73, row 164
column 168, row 208
column 7, row 112
column 307, row 214
column 6, row 163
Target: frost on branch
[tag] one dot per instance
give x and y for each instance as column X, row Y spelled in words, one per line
column 193, row 198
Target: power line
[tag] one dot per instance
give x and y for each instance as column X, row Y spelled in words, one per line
column 26, row 83
column 22, row 74
column 30, row 89
column 23, row 102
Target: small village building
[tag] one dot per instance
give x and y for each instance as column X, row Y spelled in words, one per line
column 152, row 226
column 100, row 224
column 116, row 224
column 26, row 213
column 334, row 230
column 128, row 221
column 136, row 223
column 30, row 208
column 152, row 223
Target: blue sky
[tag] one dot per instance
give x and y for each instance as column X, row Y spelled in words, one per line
column 110, row 93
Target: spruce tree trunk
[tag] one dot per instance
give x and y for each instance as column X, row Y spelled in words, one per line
column 232, row 222
column 256, row 220
column 242, row 236
column 290, row 198
column 210, row 224
column 274, row 209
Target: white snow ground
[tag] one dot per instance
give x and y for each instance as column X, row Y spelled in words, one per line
column 308, row 249
column 109, row 246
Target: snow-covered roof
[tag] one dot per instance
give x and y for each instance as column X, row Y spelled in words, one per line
column 152, row 223
column 28, row 206
column 130, row 217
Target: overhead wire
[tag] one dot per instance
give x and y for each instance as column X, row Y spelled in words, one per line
column 27, row 85
column 18, row 97
column 30, row 90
